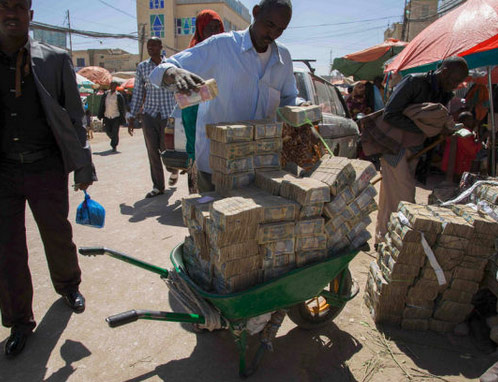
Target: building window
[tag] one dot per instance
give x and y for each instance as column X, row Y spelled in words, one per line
column 102, row 65
column 157, row 25
column 80, row 62
column 185, row 26
column 156, row 4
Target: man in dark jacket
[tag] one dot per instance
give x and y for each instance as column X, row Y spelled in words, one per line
column 42, row 140
column 398, row 174
column 112, row 111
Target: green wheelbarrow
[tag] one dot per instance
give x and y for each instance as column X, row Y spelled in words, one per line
column 312, row 296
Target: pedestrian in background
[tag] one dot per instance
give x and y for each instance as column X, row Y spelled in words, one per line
column 42, row 139
column 112, row 111
column 157, row 104
column 208, row 23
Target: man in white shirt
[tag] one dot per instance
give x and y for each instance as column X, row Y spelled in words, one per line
column 254, row 74
column 112, row 111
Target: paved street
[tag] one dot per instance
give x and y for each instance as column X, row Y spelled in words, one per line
column 70, row 347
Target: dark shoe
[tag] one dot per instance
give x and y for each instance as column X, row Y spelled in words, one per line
column 155, row 192
column 15, row 343
column 75, row 301
column 114, row 150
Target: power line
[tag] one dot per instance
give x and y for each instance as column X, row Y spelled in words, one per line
column 342, row 23
column 118, row 10
column 53, row 28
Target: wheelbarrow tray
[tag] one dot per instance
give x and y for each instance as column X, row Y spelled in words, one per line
column 298, row 285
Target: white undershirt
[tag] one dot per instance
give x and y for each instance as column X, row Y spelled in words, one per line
column 111, row 106
column 264, row 58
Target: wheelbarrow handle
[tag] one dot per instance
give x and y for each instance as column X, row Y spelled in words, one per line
column 133, row 315
column 97, row 251
column 122, row 318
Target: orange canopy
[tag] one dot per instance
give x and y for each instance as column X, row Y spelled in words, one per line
column 97, row 75
column 375, row 52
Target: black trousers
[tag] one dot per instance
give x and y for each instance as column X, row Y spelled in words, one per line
column 153, row 129
column 44, row 185
column 111, row 127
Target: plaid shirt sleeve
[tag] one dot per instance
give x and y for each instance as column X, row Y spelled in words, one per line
column 138, row 92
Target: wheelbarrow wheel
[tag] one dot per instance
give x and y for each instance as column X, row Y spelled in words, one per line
column 316, row 313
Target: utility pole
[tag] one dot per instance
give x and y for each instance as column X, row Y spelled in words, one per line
column 405, row 22
column 69, row 31
column 142, row 42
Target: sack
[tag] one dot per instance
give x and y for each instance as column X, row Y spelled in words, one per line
column 90, row 213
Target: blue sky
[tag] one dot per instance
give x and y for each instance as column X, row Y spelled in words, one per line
column 349, row 25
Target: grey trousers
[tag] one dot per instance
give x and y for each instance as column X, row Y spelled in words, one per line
column 153, row 129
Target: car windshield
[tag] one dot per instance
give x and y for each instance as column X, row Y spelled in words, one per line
column 328, row 98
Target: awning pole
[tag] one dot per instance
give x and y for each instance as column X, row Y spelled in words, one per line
column 493, row 126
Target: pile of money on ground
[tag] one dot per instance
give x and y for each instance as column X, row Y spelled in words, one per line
column 430, row 266
column 263, row 222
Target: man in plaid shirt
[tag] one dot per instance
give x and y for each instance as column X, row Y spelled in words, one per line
column 157, row 106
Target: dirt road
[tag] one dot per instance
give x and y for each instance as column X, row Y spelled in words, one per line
column 70, row 347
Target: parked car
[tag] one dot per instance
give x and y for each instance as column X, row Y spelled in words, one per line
column 337, row 128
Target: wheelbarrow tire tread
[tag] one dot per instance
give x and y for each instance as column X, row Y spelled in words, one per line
column 300, row 314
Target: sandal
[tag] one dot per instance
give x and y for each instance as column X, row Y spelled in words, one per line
column 155, row 192
column 173, row 179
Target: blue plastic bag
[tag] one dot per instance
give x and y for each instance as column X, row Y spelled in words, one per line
column 90, row 213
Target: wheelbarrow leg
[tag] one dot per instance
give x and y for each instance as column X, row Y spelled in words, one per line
column 239, row 332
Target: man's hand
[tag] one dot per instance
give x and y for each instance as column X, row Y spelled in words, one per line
column 131, row 125
column 183, row 80
column 306, row 104
column 82, row 186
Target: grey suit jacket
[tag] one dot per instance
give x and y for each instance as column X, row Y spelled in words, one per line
column 56, row 84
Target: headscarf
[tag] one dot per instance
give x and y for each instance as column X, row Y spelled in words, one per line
column 204, row 18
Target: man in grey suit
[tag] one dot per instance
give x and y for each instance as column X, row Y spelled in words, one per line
column 42, row 140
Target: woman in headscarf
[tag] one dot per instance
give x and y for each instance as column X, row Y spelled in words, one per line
column 208, row 23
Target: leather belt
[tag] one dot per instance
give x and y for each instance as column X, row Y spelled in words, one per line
column 29, row 156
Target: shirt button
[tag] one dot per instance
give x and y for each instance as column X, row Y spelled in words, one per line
column 15, row 139
column 13, row 114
